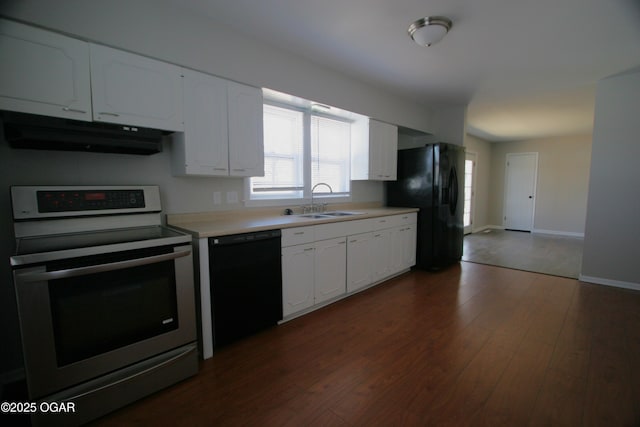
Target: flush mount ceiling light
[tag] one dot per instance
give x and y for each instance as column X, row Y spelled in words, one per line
column 429, row 30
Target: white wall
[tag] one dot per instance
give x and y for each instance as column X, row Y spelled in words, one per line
column 562, row 187
column 612, row 234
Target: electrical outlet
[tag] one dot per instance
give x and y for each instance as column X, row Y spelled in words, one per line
column 232, row 197
column 217, row 198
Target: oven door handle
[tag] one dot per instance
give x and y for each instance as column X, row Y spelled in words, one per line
column 101, row 268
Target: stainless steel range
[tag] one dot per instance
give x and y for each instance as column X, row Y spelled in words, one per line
column 105, row 297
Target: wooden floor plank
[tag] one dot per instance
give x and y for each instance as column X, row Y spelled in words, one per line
column 469, row 345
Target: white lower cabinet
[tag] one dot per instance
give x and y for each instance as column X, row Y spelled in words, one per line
column 381, row 254
column 314, row 272
column 402, row 243
column 408, row 243
column 359, row 264
column 330, row 269
column 298, row 277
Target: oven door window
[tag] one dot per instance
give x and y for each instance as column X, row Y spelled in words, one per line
column 100, row 312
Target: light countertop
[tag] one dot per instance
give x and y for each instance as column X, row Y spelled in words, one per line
column 214, row 224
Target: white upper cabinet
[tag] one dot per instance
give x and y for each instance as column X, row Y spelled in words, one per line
column 135, row 90
column 43, row 73
column 246, row 142
column 223, row 129
column 383, row 151
column 374, row 151
column 203, row 148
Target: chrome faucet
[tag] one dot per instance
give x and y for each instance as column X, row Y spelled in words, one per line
column 313, row 206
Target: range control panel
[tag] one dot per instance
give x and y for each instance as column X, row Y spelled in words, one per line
column 87, row 200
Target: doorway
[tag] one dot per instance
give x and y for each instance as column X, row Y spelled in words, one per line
column 469, row 190
column 520, row 188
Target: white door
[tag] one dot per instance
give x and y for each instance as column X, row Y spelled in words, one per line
column 469, row 190
column 520, row 189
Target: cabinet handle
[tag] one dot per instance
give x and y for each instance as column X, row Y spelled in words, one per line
column 308, row 249
column 298, row 233
column 342, row 243
column 219, row 169
column 239, row 170
column 106, row 113
column 73, row 110
column 377, row 235
column 353, row 241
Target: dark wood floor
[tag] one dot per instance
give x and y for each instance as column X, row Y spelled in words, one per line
column 473, row 345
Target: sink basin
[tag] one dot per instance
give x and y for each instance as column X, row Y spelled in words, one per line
column 342, row 213
column 315, row 216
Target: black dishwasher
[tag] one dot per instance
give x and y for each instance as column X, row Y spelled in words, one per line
column 246, row 284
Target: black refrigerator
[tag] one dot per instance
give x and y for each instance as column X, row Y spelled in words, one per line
column 432, row 178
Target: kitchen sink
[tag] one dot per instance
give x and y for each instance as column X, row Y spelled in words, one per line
column 332, row 214
column 342, row 213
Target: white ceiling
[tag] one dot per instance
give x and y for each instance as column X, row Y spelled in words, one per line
column 526, row 68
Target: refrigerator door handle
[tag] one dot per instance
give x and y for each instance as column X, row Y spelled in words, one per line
column 453, row 191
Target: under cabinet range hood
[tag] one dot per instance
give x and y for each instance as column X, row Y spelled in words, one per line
column 52, row 133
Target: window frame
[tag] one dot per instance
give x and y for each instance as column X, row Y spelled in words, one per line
column 308, row 112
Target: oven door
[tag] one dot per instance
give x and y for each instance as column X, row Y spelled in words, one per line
column 85, row 317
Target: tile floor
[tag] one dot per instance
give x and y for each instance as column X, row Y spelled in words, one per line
column 540, row 253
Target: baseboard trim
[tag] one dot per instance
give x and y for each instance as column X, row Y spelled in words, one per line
column 557, row 233
column 535, row 230
column 609, row 282
column 486, row 227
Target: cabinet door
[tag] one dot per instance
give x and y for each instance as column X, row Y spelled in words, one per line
column 43, row 73
column 398, row 251
column 409, row 240
column 203, row 148
column 359, row 265
column 330, row 269
column 297, row 278
column 246, row 146
column 135, row 90
column 383, row 151
column 380, row 254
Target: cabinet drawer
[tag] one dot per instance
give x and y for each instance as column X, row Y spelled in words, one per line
column 383, row 222
column 297, row 236
column 404, row 219
column 359, row 226
column 332, row 230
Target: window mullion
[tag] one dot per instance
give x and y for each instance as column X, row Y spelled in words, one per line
column 306, row 149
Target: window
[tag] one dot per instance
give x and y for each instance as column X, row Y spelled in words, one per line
column 303, row 148
column 283, row 156
column 331, row 154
